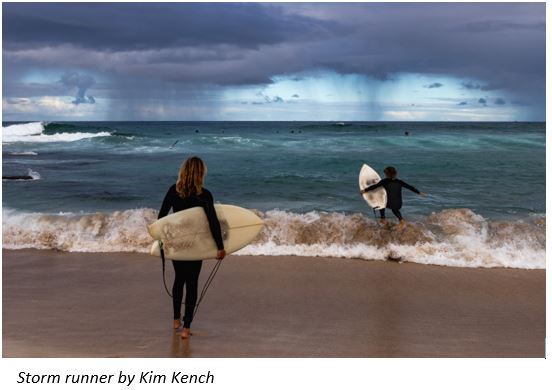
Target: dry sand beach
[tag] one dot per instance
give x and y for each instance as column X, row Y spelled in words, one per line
column 58, row 304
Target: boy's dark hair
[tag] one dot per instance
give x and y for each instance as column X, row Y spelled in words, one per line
column 390, row 172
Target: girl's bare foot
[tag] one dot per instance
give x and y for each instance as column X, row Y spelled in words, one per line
column 176, row 324
column 185, row 333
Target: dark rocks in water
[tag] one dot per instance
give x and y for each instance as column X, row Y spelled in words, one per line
column 18, row 177
column 406, row 133
column 197, row 131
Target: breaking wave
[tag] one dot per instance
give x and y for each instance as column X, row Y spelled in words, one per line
column 35, row 132
column 453, row 237
column 24, row 153
column 34, row 174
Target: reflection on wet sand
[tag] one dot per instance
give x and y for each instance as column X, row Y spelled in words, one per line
column 269, row 307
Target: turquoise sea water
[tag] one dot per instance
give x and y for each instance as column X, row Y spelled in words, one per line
column 492, row 171
column 496, row 170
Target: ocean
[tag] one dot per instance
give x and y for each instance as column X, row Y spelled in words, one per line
column 96, row 185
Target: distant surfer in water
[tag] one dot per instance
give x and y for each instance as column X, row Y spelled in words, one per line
column 188, row 192
column 393, row 187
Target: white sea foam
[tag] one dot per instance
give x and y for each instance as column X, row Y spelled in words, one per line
column 24, row 153
column 120, row 231
column 456, row 237
column 34, row 132
column 35, row 175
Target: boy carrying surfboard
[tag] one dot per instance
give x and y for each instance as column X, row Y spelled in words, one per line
column 393, row 187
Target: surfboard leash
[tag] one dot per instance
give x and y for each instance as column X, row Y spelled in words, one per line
column 205, row 286
column 163, row 266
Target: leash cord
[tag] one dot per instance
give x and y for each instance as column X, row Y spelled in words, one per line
column 205, row 286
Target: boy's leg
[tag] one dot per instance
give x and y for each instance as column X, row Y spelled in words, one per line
column 399, row 216
column 382, row 220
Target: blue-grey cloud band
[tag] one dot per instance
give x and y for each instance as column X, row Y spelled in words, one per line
column 159, row 46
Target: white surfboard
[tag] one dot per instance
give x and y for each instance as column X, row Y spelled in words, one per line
column 186, row 234
column 376, row 199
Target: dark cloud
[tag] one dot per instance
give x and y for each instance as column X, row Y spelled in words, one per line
column 486, row 26
column 138, row 26
column 500, row 101
column 433, row 85
column 518, row 102
column 143, row 48
column 270, row 99
column 295, row 96
column 477, row 86
column 482, row 101
column 463, row 103
column 19, row 101
column 82, row 83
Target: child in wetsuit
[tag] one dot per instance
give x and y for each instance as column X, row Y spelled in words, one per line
column 393, row 187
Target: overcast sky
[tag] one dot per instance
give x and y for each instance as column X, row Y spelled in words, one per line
column 255, row 61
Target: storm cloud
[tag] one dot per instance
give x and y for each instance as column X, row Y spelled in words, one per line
column 434, row 85
column 141, row 26
column 80, row 82
column 148, row 50
column 479, row 87
column 267, row 99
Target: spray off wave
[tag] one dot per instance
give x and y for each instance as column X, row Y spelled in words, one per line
column 453, row 237
column 34, row 132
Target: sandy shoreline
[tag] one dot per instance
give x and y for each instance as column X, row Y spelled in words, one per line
column 58, row 304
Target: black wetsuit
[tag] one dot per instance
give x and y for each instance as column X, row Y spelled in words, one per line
column 187, row 272
column 393, row 187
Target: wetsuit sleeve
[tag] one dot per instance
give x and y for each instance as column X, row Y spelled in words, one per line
column 167, row 205
column 406, row 185
column 214, row 224
column 374, row 186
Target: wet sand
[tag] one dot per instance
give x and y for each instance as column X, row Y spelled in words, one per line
column 59, row 304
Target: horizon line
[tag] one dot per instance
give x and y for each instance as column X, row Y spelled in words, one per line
column 267, row 121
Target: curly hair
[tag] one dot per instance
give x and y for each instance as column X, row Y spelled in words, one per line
column 190, row 177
